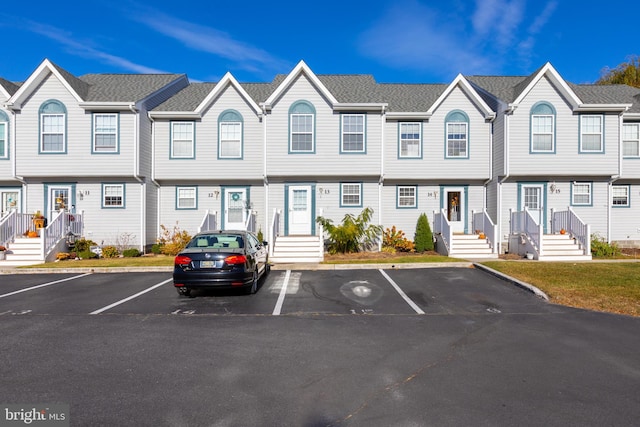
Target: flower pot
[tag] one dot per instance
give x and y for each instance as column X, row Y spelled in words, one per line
column 529, row 255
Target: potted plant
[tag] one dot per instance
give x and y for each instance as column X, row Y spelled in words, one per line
column 38, row 220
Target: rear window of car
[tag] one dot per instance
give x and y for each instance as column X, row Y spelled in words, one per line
column 217, row 241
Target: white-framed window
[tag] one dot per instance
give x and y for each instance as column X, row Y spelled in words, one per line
column 407, row 196
column 410, row 140
column 543, row 119
column 53, row 132
column 620, row 196
column 591, row 134
column 350, row 194
column 186, row 198
column 182, row 140
column 302, row 116
column 230, row 135
column 353, row 135
column 631, row 140
column 581, row 194
column 4, row 136
column 105, row 133
column 113, row 195
column 457, row 135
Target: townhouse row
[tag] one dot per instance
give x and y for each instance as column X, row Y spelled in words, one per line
column 134, row 153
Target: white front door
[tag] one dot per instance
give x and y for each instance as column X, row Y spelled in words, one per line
column 10, row 201
column 59, row 199
column 531, row 198
column 456, row 210
column 235, row 212
column 299, row 209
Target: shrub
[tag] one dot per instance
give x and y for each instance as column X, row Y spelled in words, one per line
column 156, row 249
column 87, row 254
column 600, row 248
column 124, row 241
column 61, row 256
column 396, row 240
column 354, row 233
column 424, row 236
column 174, row 240
column 131, row 253
column 83, row 244
column 110, row 252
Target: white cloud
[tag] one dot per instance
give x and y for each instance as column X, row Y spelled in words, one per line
column 207, row 39
column 83, row 48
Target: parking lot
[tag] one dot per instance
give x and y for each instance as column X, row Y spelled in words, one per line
column 285, row 293
column 376, row 347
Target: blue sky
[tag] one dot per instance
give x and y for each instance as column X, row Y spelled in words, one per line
column 401, row 41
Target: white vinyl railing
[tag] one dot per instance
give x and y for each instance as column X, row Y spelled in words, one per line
column 274, row 230
column 482, row 223
column 209, row 222
column 14, row 224
column 442, row 226
column 570, row 222
column 61, row 224
column 320, row 233
column 522, row 222
column 250, row 223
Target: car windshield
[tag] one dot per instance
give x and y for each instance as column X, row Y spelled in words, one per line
column 216, row 241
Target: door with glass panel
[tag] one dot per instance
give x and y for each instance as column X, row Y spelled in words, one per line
column 235, row 212
column 299, row 210
column 532, row 199
column 10, row 201
column 59, row 199
column 456, row 209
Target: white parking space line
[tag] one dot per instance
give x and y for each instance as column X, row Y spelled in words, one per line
column 43, row 285
column 122, row 301
column 402, row 294
column 283, row 291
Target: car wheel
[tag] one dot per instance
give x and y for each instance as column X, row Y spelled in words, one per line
column 254, row 283
column 185, row 292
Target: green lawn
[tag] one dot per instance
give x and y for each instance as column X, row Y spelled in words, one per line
column 602, row 286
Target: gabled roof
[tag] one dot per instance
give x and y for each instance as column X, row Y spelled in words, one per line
column 96, row 89
column 299, row 70
column 464, row 85
column 7, row 88
column 226, row 81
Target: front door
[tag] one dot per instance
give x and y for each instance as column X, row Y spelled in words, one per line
column 235, row 212
column 10, row 201
column 299, row 209
column 531, row 198
column 456, row 209
column 59, row 199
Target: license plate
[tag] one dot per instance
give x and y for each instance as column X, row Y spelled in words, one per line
column 207, row 264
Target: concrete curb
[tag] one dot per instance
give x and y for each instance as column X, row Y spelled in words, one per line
column 526, row 286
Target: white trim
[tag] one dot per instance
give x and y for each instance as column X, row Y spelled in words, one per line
column 489, row 114
column 299, row 69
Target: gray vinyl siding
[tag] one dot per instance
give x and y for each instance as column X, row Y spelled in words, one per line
column 326, row 160
column 498, row 145
column 625, row 221
column 206, row 164
column 434, row 164
column 566, row 160
column 78, row 160
column 209, row 197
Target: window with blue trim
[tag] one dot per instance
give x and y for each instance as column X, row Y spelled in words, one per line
column 410, row 140
column 407, row 196
column 620, row 196
column 353, row 133
column 230, row 135
column 457, row 134
column 591, row 133
column 182, row 140
column 186, row 197
column 581, row 194
column 53, row 123
column 631, row 140
column 543, row 119
column 301, row 127
column 4, row 135
column 112, row 195
column 351, row 194
column 105, row 132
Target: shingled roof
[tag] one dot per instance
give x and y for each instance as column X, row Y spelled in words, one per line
column 124, row 87
column 10, row 87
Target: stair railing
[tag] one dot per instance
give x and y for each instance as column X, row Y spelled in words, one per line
column 209, row 222
column 14, row 224
column 482, row 222
column 570, row 222
column 274, row 230
column 442, row 226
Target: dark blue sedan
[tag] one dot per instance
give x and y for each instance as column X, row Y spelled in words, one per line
column 219, row 260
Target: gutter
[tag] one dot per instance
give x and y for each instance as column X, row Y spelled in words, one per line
column 136, row 175
column 153, row 172
column 14, row 161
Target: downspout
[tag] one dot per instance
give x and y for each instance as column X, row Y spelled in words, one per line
column 136, row 175
column 504, row 178
column 14, row 162
column 265, row 177
column 383, row 118
column 153, row 172
column 613, row 179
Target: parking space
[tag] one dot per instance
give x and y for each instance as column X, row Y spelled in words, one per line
column 429, row 291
